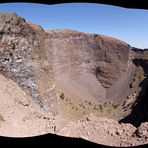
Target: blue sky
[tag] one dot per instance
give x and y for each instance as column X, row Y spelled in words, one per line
column 129, row 25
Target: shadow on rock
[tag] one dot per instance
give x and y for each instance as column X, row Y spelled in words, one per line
column 139, row 112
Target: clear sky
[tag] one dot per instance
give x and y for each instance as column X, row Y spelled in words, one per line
column 129, row 25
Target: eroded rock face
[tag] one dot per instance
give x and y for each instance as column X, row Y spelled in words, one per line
column 91, row 63
column 22, row 57
column 105, row 57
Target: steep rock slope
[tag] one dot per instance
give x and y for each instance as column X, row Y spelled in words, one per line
column 23, row 58
column 94, row 68
column 88, row 64
column 139, row 111
column 19, row 115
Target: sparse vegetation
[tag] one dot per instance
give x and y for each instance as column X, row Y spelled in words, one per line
column 115, row 106
column 82, row 105
column 98, row 107
column 131, row 85
column 89, row 103
column 129, row 105
column 77, row 109
column 101, row 107
column 62, row 96
column 140, row 77
column 105, row 104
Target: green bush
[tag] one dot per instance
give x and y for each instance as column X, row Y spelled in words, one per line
column 89, row 103
column 131, row 85
column 94, row 107
column 82, row 105
column 62, row 96
column 115, row 106
column 101, row 107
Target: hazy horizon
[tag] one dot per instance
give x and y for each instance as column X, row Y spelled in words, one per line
column 128, row 25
